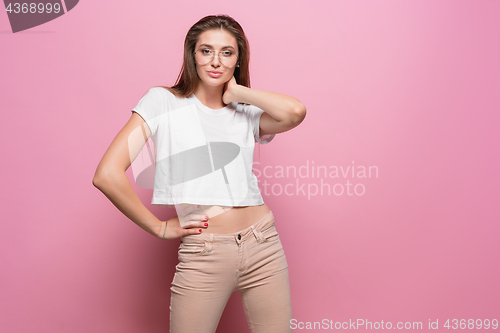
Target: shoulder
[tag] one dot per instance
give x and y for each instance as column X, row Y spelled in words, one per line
column 169, row 96
column 162, row 91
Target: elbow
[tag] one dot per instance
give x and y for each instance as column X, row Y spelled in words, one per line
column 299, row 112
column 99, row 179
column 107, row 176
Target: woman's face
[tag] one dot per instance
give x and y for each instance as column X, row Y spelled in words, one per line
column 214, row 73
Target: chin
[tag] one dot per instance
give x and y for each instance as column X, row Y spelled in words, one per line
column 212, row 84
column 210, row 81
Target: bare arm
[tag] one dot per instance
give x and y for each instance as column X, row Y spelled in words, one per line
column 111, row 180
column 282, row 112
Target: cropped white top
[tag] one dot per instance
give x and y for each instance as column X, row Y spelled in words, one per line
column 203, row 156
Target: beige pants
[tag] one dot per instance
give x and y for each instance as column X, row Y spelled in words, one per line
column 212, row 266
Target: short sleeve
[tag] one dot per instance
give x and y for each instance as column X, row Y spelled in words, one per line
column 150, row 108
column 254, row 113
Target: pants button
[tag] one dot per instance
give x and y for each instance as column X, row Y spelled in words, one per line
column 239, row 236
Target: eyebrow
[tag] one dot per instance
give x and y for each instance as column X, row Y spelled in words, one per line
column 224, row 47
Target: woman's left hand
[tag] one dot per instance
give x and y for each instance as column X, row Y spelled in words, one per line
column 230, row 88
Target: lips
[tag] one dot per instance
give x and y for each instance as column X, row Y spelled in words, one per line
column 214, row 73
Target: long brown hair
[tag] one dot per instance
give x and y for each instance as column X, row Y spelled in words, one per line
column 188, row 77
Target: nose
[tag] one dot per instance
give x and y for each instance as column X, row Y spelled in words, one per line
column 216, row 60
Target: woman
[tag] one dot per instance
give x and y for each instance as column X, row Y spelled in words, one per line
column 238, row 248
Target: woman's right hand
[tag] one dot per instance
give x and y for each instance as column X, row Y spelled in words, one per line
column 174, row 229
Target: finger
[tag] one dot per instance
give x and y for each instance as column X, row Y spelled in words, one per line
column 190, row 224
column 195, row 220
column 193, row 231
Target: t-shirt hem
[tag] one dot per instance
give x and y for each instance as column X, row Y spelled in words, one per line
column 144, row 115
column 265, row 139
column 167, row 202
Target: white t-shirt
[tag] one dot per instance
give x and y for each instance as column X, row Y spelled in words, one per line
column 203, row 156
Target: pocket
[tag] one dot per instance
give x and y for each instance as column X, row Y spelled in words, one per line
column 271, row 235
column 192, row 249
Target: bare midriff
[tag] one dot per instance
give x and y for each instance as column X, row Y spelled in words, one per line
column 236, row 219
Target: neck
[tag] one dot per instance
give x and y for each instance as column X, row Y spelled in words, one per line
column 210, row 96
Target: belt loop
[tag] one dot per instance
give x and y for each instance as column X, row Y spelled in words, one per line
column 208, row 243
column 258, row 234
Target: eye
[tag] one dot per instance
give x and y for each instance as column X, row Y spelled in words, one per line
column 206, row 51
column 227, row 53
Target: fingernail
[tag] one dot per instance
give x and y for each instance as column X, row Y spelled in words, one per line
column 206, row 224
column 206, row 217
column 200, row 230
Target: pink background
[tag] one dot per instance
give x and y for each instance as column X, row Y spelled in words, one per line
column 410, row 87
